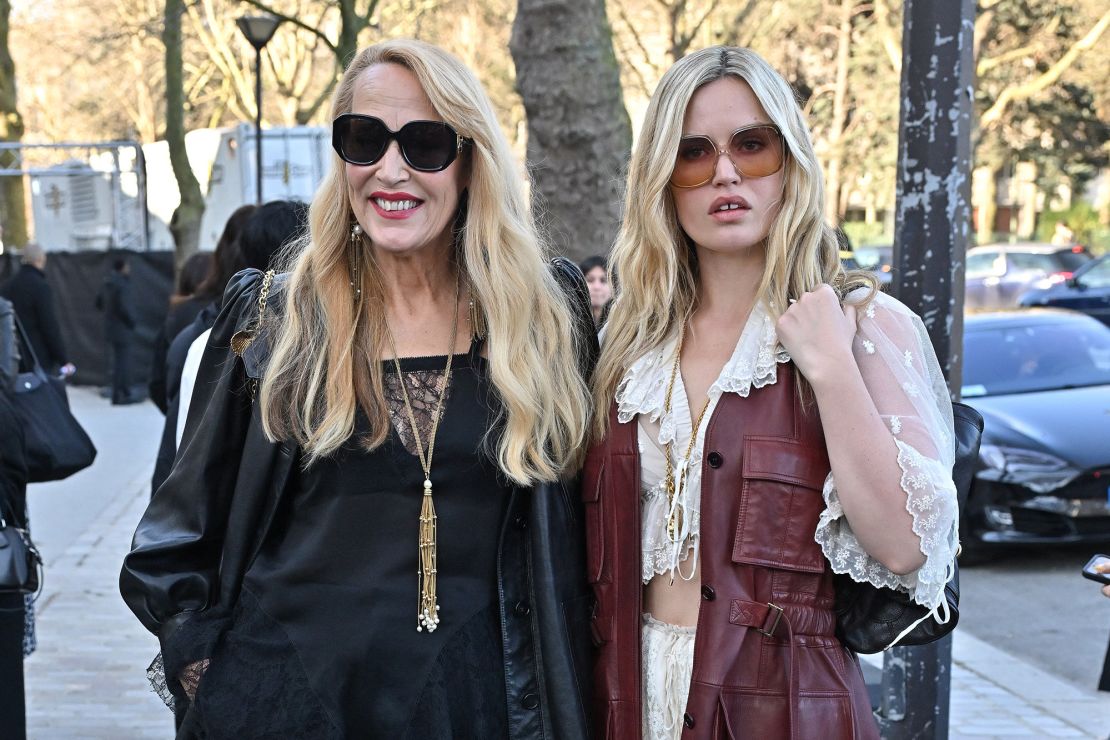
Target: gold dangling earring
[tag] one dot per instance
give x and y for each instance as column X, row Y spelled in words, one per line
column 353, row 261
column 477, row 317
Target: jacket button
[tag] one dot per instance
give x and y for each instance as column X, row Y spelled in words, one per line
column 520, row 522
column 530, row 701
column 708, row 593
column 522, row 609
column 688, row 720
column 715, row 459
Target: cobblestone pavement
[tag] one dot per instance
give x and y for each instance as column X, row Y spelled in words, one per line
column 87, row 679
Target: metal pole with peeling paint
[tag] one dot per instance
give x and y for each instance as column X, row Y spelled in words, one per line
column 932, row 228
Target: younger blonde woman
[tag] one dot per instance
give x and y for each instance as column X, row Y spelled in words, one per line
column 365, row 534
column 754, row 434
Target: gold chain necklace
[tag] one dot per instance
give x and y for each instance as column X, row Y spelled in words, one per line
column 427, row 604
column 674, row 488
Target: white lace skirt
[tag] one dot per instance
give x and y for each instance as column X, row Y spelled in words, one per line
column 668, row 660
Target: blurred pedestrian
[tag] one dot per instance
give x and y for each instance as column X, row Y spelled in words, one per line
column 276, row 562
column 30, row 294
column 596, row 273
column 114, row 299
column 1062, row 234
column 184, row 305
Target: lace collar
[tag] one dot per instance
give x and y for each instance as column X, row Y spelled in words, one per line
column 754, row 363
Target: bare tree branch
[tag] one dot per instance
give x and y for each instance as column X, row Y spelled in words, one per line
column 296, row 22
column 1051, row 75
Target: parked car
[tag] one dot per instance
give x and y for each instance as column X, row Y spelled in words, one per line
column 1087, row 291
column 997, row 275
column 1041, row 380
column 879, row 260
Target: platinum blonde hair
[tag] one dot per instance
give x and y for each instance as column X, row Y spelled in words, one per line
column 653, row 259
column 325, row 361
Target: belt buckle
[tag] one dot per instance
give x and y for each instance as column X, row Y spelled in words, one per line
column 778, row 618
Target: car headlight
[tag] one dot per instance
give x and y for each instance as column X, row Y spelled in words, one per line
column 1038, row 471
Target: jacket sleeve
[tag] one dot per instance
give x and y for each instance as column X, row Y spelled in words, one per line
column 573, row 283
column 170, row 579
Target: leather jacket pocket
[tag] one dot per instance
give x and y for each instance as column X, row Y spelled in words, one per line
column 780, row 504
column 742, row 715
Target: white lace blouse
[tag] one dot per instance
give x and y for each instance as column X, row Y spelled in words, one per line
column 902, row 375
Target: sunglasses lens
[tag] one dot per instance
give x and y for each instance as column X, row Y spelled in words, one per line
column 360, row 139
column 694, row 163
column 756, row 152
column 428, row 145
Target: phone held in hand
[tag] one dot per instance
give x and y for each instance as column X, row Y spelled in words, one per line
column 1098, row 569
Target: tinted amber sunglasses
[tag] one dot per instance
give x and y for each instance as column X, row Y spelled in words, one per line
column 755, row 151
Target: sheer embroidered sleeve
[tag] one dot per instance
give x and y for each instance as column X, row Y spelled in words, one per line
column 904, row 380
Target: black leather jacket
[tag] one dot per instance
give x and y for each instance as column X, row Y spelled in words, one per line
column 196, row 539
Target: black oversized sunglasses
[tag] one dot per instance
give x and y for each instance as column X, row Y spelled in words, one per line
column 427, row 146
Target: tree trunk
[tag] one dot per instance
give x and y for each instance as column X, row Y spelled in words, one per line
column 13, row 213
column 833, row 183
column 579, row 134
column 185, row 224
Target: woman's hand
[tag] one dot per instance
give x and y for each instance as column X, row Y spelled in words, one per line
column 190, row 677
column 817, row 331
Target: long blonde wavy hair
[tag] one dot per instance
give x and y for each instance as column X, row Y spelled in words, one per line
column 654, row 260
column 326, row 350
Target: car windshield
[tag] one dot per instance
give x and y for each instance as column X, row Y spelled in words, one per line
column 1023, row 358
column 1098, row 276
column 1071, row 261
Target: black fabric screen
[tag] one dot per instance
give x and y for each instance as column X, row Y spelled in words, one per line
column 75, row 278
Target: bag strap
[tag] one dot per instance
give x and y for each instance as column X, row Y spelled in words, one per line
column 26, row 342
column 242, row 339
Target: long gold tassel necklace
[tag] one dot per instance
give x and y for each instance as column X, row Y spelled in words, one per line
column 675, row 485
column 427, row 605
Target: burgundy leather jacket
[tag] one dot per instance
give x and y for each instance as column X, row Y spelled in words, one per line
column 766, row 662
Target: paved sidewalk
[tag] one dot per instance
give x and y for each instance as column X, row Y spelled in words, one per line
column 87, row 679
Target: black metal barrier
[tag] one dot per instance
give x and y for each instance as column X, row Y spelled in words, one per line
column 75, row 278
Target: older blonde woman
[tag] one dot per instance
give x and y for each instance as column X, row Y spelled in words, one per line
column 760, row 436
column 365, row 534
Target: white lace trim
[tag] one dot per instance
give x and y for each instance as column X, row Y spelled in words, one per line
column 660, row 555
column 931, row 501
column 643, row 389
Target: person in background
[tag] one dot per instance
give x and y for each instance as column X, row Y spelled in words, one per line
column 114, row 300
column 257, row 238
column 184, row 306
column 596, row 273
column 15, row 627
column 33, row 300
column 1063, row 235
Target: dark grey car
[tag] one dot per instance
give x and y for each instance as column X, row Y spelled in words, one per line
column 1041, row 380
column 998, row 275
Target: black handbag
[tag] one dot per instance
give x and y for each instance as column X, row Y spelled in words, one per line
column 20, row 562
column 57, row 445
column 868, row 618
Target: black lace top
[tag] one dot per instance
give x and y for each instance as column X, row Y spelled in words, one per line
column 323, row 643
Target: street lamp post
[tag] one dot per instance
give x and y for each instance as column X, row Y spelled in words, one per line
column 258, row 29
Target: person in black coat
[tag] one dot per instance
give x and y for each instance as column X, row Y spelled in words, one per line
column 184, row 306
column 263, row 231
column 30, row 294
column 115, row 301
column 13, row 509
